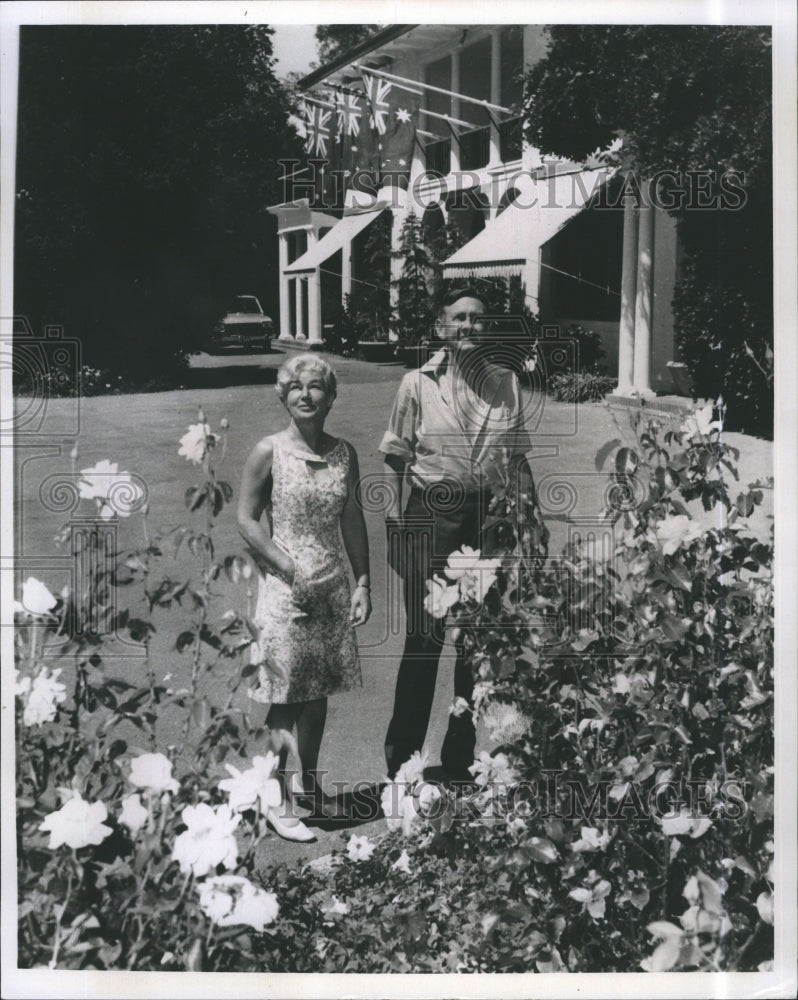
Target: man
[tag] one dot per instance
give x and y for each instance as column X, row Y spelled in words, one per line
column 450, row 420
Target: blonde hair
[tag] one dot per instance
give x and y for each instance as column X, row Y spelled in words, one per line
column 288, row 371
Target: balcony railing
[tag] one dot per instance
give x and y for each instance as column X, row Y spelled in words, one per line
column 437, row 157
column 511, row 136
column 475, row 148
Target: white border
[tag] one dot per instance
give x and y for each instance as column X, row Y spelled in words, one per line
column 779, row 13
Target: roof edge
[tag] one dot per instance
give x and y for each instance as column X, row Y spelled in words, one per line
column 385, row 35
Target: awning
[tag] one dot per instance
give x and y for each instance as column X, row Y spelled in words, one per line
column 342, row 233
column 515, row 237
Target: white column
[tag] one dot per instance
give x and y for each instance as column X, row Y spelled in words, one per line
column 285, row 288
column 454, row 111
column 314, row 297
column 314, row 308
column 495, row 93
column 626, row 328
column 299, row 331
column 346, row 271
column 644, row 301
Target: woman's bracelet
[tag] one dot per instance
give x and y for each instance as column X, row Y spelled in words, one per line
column 363, row 586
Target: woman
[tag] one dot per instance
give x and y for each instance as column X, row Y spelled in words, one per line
column 307, row 482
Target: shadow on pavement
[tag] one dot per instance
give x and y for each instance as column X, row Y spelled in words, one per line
column 355, row 808
column 223, row 377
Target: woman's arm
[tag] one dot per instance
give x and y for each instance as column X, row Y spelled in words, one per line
column 356, row 543
column 257, row 471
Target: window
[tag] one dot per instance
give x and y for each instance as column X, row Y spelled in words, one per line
column 512, row 66
column 438, row 74
column 475, row 62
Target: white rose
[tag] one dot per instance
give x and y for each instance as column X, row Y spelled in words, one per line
column 153, row 772
column 36, row 598
column 359, row 848
column 232, row 899
column 134, row 815
column 440, row 597
column 195, row 442
column 208, row 841
column 45, row 693
column 77, row 824
column 676, row 530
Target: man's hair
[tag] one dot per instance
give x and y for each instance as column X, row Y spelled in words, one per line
column 464, row 292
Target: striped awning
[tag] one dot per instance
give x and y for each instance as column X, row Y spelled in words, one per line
column 514, row 238
column 342, row 233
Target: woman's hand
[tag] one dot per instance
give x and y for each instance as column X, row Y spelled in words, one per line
column 360, row 607
column 285, row 569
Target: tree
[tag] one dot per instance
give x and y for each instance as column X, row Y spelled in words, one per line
column 414, row 313
column 368, row 307
column 683, row 99
column 147, row 156
column 332, row 40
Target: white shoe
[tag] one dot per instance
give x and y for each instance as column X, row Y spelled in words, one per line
column 289, row 828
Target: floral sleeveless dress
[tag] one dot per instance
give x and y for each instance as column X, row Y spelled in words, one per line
column 306, row 647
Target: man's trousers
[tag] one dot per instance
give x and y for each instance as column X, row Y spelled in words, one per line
column 437, row 521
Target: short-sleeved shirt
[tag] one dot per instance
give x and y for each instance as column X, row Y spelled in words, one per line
column 443, row 428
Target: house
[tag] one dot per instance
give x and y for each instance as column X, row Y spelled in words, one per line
column 585, row 254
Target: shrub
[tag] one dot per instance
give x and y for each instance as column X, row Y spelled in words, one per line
column 629, row 687
column 90, row 381
column 581, row 387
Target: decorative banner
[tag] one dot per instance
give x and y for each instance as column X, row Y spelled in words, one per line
column 393, row 121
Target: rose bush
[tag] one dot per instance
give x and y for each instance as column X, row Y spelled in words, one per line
column 620, row 816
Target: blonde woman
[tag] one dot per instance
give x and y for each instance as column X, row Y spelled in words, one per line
column 305, row 481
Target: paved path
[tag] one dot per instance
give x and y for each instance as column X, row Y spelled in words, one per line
column 141, row 432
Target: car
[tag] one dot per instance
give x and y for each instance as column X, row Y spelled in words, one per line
column 245, row 326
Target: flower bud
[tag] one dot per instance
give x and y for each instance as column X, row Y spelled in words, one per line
column 200, row 415
column 74, row 453
column 194, row 956
column 224, row 423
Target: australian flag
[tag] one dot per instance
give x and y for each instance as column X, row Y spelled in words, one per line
column 392, row 120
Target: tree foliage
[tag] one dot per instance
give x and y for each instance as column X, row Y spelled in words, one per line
column 683, row 98
column 146, row 158
column 332, row 40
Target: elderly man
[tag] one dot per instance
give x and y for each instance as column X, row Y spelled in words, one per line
column 450, row 420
